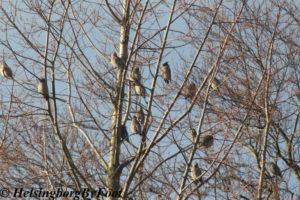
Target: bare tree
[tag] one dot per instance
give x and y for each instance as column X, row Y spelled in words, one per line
column 128, row 81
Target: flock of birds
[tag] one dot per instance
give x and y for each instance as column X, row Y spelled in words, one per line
column 42, row 87
column 139, row 116
column 135, row 77
column 205, row 142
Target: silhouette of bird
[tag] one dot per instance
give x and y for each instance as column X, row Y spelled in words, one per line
column 166, row 72
column 6, row 71
column 140, row 116
column 135, row 126
column 140, row 90
column 193, row 134
column 195, row 173
column 206, row 141
column 124, row 133
column 215, row 83
column 116, row 61
column 191, row 91
column 135, row 75
column 275, row 169
column 43, row 88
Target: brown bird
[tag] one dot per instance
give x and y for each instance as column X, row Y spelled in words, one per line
column 195, row 173
column 215, row 83
column 124, row 133
column 275, row 169
column 6, row 71
column 165, row 72
column 193, row 134
column 116, row 61
column 140, row 116
column 43, row 88
column 135, row 126
column 140, row 90
column 135, row 75
column 207, row 141
column 191, row 91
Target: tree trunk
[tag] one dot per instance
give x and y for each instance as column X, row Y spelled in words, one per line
column 113, row 173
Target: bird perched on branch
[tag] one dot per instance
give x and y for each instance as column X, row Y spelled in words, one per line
column 206, row 141
column 275, row 169
column 135, row 126
column 195, row 173
column 124, row 133
column 193, row 134
column 165, row 72
column 140, row 116
column 43, row 88
column 215, row 83
column 140, row 90
column 190, row 91
column 6, row 71
column 135, row 75
column 116, row 61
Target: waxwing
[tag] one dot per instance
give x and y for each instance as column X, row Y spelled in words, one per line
column 5, row 70
column 135, row 126
column 215, row 83
column 135, row 75
column 195, row 173
column 275, row 169
column 193, row 134
column 140, row 90
column 116, row 61
column 191, row 91
column 124, row 133
column 140, row 116
column 43, row 88
column 166, row 72
column 206, row 141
